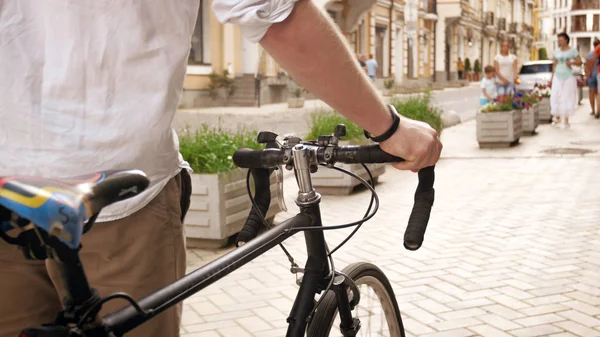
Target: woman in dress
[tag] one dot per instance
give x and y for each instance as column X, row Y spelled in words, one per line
column 563, row 99
column 505, row 65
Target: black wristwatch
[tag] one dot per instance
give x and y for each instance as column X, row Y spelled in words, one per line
column 386, row 135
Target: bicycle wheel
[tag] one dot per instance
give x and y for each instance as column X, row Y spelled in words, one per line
column 377, row 309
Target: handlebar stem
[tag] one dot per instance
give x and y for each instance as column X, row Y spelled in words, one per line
column 302, row 160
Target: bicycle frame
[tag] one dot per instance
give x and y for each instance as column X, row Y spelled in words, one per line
column 316, row 271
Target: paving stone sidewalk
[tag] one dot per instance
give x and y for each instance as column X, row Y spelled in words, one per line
column 512, row 249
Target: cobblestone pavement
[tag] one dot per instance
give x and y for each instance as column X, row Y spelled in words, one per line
column 512, row 249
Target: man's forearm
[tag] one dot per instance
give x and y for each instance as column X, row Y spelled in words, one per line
column 310, row 49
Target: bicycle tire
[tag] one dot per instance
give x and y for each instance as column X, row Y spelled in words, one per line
column 361, row 273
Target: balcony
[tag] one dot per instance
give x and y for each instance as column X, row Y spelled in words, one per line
column 527, row 31
column 585, row 4
column 489, row 25
column 513, row 28
column 502, row 24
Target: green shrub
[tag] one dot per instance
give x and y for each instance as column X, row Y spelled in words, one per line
column 467, row 65
column 477, row 67
column 323, row 122
column 209, row 150
column 420, row 108
column 296, row 92
column 388, row 83
column 543, row 54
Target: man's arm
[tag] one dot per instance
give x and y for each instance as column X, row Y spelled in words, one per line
column 315, row 54
column 515, row 70
column 312, row 51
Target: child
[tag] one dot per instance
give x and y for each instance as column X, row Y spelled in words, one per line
column 488, row 86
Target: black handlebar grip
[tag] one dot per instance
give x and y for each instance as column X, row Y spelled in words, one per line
column 262, row 197
column 266, row 158
column 419, row 217
column 365, row 154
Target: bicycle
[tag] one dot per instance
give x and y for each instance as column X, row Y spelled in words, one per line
column 52, row 215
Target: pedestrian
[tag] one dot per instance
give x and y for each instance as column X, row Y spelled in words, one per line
column 564, row 96
column 372, row 67
column 90, row 86
column 361, row 61
column 460, row 66
column 591, row 70
column 505, row 65
column 597, row 54
column 488, row 87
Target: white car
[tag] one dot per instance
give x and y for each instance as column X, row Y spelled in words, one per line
column 540, row 72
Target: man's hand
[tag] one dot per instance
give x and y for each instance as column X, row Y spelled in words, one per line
column 416, row 142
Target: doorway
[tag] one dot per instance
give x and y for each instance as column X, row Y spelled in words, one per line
column 379, row 50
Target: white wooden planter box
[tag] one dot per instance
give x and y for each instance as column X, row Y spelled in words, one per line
column 544, row 110
column 531, row 119
column 499, row 129
column 332, row 182
column 219, row 207
column 295, row 102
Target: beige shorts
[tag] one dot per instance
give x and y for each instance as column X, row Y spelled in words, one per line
column 136, row 255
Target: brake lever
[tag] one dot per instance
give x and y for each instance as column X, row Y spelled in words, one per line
column 279, row 191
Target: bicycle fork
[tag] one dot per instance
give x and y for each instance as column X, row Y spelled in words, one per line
column 317, row 270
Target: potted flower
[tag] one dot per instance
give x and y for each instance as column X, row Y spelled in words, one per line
column 542, row 91
column 530, row 108
column 333, row 182
column 468, row 76
column 499, row 125
column 388, row 86
column 220, row 202
column 279, row 80
column 295, row 100
column 220, row 86
column 476, row 70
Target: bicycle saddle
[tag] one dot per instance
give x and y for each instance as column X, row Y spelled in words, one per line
column 62, row 206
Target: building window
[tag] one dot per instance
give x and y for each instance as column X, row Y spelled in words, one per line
column 200, row 48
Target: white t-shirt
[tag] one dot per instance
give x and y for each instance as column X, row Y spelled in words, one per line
column 490, row 88
column 253, row 16
column 505, row 65
column 92, row 85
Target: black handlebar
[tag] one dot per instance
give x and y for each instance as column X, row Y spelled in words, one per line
column 261, row 161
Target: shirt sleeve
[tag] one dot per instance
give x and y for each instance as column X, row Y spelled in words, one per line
column 253, row 16
column 483, row 84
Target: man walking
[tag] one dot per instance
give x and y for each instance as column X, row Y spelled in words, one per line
column 372, row 67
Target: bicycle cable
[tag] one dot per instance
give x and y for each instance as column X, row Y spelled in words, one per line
column 135, row 305
column 374, row 199
column 372, row 183
column 265, row 222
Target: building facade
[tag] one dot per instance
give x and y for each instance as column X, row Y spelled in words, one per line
column 543, row 27
column 475, row 29
column 400, row 34
column 578, row 18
